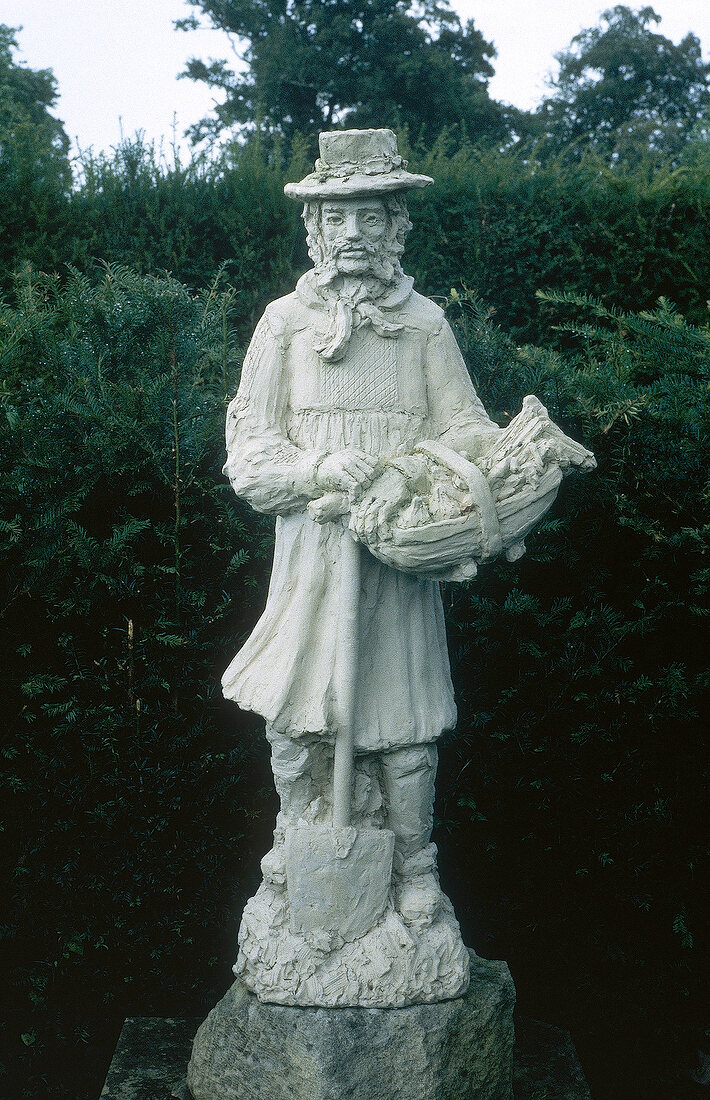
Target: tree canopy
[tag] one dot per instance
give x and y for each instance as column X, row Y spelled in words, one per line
column 26, row 98
column 315, row 64
column 34, row 163
column 623, row 86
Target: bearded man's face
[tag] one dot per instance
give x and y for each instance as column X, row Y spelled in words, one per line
column 353, row 233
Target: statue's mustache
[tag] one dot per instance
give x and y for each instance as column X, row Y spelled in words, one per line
column 340, row 247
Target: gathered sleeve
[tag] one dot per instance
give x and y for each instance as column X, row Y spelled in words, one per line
column 457, row 416
column 263, row 465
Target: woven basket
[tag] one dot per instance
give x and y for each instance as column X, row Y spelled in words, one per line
column 452, row 549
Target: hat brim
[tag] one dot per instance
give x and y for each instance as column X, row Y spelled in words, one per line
column 317, row 186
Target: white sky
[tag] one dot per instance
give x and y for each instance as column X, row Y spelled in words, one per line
column 117, row 60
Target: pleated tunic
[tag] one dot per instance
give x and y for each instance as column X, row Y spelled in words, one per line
column 292, row 409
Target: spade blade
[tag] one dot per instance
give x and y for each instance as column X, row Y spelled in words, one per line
column 338, row 878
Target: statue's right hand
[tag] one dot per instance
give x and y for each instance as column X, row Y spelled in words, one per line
column 347, row 471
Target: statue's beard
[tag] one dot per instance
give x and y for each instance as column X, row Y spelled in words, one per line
column 381, row 267
column 351, row 296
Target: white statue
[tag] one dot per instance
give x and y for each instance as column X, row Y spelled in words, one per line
column 357, row 426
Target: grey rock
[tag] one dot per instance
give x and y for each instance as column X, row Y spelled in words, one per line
column 149, row 1058
column 455, row 1050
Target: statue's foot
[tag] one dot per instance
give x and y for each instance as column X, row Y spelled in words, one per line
column 418, row 899
column 273, row 866
column 417, row 894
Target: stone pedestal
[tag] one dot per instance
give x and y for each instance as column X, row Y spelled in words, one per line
column 153, row 1052
column 455, row 1050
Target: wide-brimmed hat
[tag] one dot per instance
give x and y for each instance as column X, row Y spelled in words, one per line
column 356, row 162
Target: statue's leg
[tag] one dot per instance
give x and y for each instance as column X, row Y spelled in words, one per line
column 408, row 777
column 301, row 767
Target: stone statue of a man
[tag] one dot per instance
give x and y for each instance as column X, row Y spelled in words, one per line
column 356, row 416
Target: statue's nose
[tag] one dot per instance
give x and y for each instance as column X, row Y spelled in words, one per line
column 351, row 229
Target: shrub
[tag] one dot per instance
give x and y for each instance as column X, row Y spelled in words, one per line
column 127, row 568
column 507, row 226
column 574, row 788
column 138, row 804
column 501, row 224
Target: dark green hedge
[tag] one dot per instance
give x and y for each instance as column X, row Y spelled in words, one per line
column 499, row 223
column 137, row 804
column 574, row 792
column 128, row 573
column 135, row 209
column 507, row 227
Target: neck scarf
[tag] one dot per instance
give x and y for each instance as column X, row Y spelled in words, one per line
column 347, row 312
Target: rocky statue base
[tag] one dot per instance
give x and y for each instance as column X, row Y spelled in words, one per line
column 393, row 965
column 454, row 1050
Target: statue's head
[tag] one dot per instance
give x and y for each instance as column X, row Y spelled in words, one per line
column 354, row 209
column 357, row 236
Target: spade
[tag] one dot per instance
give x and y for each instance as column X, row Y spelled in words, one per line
column 339, row 876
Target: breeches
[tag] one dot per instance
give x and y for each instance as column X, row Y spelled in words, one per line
column 394, row 789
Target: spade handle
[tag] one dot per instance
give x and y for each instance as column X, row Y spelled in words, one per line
column 347, row 670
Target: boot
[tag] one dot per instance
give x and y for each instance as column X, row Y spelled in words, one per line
column 417, row 893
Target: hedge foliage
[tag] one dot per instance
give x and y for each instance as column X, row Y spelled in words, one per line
column 128, row 572
column 575, row 788
column 505, row 225
column 571, row 812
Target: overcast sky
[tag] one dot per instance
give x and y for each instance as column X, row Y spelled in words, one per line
column 117, row 61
